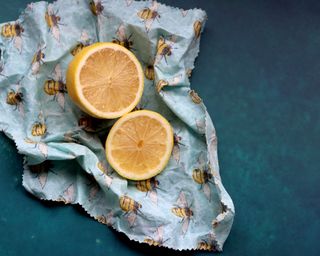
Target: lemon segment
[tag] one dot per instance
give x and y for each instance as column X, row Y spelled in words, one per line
column 105, row 80
column 139, row 145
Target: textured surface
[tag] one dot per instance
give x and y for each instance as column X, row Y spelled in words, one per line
column 262, row 61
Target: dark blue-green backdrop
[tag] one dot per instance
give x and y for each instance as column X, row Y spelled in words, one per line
column 259, row 75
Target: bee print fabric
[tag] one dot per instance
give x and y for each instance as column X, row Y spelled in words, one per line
column 184, row 207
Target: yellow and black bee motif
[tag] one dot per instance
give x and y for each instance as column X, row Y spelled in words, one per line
column 122, row 38
column 149, row 186
column 56, row 87
column 189, row 72
column 96, row 7
column 87, row 123
column 197, row 26
column 149, row 72
column 53, row 22
column 15, row 98
column 39, row 128
column 161, row 83
column 105, row 173
column 176, row 147
column 148, row 15
column 13, row 31
column 130, row 207
column 183, row 211
column 208, row 244
column 158, row 239
column 84, row 42
column 41, row 171
column 223, row 213
column 37, row 60
column 195, row 97
column 107, row 220
column 203, row 177
column 164, row 48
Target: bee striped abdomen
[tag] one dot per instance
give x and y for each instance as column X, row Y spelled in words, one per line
column 197, row 28
column 180, row 212
column 77, row 49
column 38, row 129
column 199, row 176
column 52, row 87
column 145, row 14
column 127, row 204
column 49, row 20
column 11, row 30
column 152, row 242
column 149, row 72
column 144, row 185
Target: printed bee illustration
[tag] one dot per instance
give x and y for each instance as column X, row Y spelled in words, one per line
column 53, row 22
column 13, row 31
column 148, row 15
column 37, row 60
column 197, row 26
column 195, row 97
column 122, row 39
column 203, row 177
column 71, row 137
column 129, row 2
column 208, row 244
column 105, row 173
column 39, row 128
column 176, row 147
column 107, row 220
column 221, row 216
column 170, row 82
column 84, row 42
column 68, row 194
column 149, row 186
column 131, row 208
column 87, row 123
column 149, row 72
column 164, row 48
column 15, row 98
column 189, row 72
column 56, row 87
column 183, row 211
column 43, row 148
column 184, row 12
column 41, row 171
column 96, row 7
column 158, row 239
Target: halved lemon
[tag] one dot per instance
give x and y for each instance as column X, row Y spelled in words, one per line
column 139, row 145
column 105, row 80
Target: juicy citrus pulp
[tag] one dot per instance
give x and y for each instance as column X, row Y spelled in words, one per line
column 105, row 80
column 139, row 145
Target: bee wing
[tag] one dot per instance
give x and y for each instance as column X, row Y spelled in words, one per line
column 176, row 153
column 148, row 24
column 153, row 196
column 50, row 9
column 61, row 99
column 185, row 226
column 18, row 43
column 57, row 72
column 84, row 36
column 129, row 2
column 56, row 33
column 121, row 32
column 108, row 180
column 207, row 191
column 35, row 68
column 93, row 192
column 154, row 6
column 182, row 201
column 159, row 234
column 29, row 141
column 69, row 193
column 175, row 80
column 43, row 178
column 21, row 109
column 131, row 218
column 200, row 125
column 43, row 149
column 109, row 218
column 184, row 12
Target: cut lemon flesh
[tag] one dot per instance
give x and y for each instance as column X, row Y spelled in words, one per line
column 139, row 145
column 105, row 80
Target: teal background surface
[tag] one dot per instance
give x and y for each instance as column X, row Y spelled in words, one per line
column 258, row 74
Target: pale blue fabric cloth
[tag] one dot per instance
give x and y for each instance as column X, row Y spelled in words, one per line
column 68, row 162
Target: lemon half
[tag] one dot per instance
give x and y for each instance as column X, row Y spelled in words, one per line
column 139, row 145
column 105, row 80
